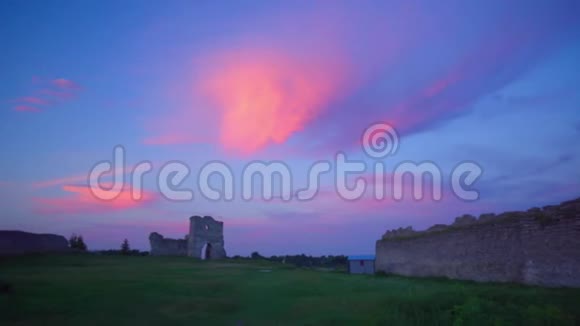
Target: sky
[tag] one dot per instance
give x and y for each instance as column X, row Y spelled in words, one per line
column 491, row 82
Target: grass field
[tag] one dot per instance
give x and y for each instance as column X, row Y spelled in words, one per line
column 115, row 290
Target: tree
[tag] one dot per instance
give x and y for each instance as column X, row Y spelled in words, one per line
column 256, row 255
column 125, row 249
column 72, row 241
column 77, row 242
column 81, row 244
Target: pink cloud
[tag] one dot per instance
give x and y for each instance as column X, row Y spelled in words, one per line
column 438, row 86
column 32, row 100
column 62, row 89
column 66, row 90
column 26, row 108
column 298, row 88
column 446, row 88
column 60, row 181
column 81, row 199
column 79, row 178
column 65, row 84
column 63, row 95
column 258, row 89
column 265, row 97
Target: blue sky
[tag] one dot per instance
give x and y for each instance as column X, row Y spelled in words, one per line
column 493, row 82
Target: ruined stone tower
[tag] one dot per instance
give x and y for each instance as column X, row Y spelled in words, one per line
column 205, row 240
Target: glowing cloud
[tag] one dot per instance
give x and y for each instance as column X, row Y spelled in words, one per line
column 79, row 178
column 83, row 201
column 265, row 97
column 56, row 90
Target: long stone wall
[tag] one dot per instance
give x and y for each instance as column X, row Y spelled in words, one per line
column 19, row 243
column 539, row 247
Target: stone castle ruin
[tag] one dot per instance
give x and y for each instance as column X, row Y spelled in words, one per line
column 540, row 246
column 204, row 241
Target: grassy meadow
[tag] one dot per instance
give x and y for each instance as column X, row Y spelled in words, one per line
column 117, row 290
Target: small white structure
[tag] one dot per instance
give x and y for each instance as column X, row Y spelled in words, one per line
column 362, row 264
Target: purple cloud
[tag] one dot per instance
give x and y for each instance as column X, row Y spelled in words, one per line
column 26, row 108
column 65, row 84
column 58, row 90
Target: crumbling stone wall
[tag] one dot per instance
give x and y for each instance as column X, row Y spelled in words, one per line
column 19, row 242
column 161, row 246
column 203, row 232
column 539, row 247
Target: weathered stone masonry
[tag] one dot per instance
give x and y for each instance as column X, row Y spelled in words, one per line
column 205, row 240
column 539, row 247
column 161, row 246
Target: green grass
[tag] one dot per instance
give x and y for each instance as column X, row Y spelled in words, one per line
column 115, row 290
